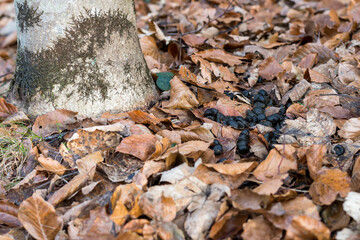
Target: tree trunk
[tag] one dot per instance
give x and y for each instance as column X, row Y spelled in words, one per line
column 80, row 55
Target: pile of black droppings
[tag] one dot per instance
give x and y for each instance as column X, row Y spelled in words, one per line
column 260, row 101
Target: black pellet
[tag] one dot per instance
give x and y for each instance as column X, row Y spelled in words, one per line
column 210, row 112
column 218, row 149
column 258, row 110
column 339, row 150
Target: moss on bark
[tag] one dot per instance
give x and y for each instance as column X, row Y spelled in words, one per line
column 71, row 57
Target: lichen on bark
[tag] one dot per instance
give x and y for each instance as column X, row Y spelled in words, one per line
column 70, row 58
column 28, row 17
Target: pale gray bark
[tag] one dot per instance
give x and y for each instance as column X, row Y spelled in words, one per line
column 80, row 55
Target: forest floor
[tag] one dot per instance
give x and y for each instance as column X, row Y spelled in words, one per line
column 256, row 134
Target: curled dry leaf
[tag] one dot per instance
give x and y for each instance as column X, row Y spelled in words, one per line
column 314, row 156
column 69, row 189
column 87, row 165
column 140, row 146
column 348, row 73
column 269, row 68
column 317, row 77
column 247, row 200
column 51, row 165
column 233, row 169
column 9, row 214
column 6, row 109
column 220, row 56
column 149, row 47
column 53, row 122
column 328, row 184
column 350, row 129
column 39, row 218
column 308, row 61
column 180, row 96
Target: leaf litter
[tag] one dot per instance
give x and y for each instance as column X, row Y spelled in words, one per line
column 256, row 134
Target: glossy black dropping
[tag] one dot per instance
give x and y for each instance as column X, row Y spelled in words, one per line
column 260, row 80
column 259, row 98
column 262, row 92
column 258, row 110
column 216, row 142
column 250, row 113
column 246, row 93
column 218, row 149
column 249, row 119
column 275, row 118
column 260, row 117
column 211, row 118
column 241, row 119
column 259, row 104
column 243, row 138
column 242, row 148
column 245, row 132
column 266, row 123
column 220, row 117
column 339, row 150
column 268, row 136
column 210, row 112
column 221, row 160
column 233, row 124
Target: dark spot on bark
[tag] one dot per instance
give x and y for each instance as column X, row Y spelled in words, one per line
column 27, row 16
column 71, row 59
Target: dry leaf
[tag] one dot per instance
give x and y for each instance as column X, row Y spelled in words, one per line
column 162, row 209
column 220, row 56
column 269, row 68
column 260, row 229
column 149, row 47
column 69, row 189
column 39, row 218
column 51, row 165
column 275, row 164
column 9, row 214
column 180, row 96
column 328, row 184
column 304, row 227
column 233, row 169
column 352, row 205
column 350, row 129
column 6, row 109
column 140, row 146
column 53, row 122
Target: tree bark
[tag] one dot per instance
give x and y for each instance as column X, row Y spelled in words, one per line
column 80, row 55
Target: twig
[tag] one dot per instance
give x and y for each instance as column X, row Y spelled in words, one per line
column 5, row 74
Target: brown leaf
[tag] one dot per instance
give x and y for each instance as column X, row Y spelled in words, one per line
column 89, row 140
column 328, row 184
column 149, row 47
column 324, row 53
column 233, row 169
column 140, row 146
column 351, row 128
column 161, row 209
column 53, row 122
column 180, row 96
column 260, row 229
column 247, row 200
column 337, row 111
column 143, row 117
column 6, row 109
column 314, row 157
column 69, row 189
column 51, row 165
column 297, row 109
column 275, row 164
column 193, row 40
column 87, row 164
column 304, row 227
column 220, row 56
column 186, row 148
column 315, row 99
column 39, row 218
column 9, row 214
column 269, row 68
column 308, row 61
column 317, row 77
